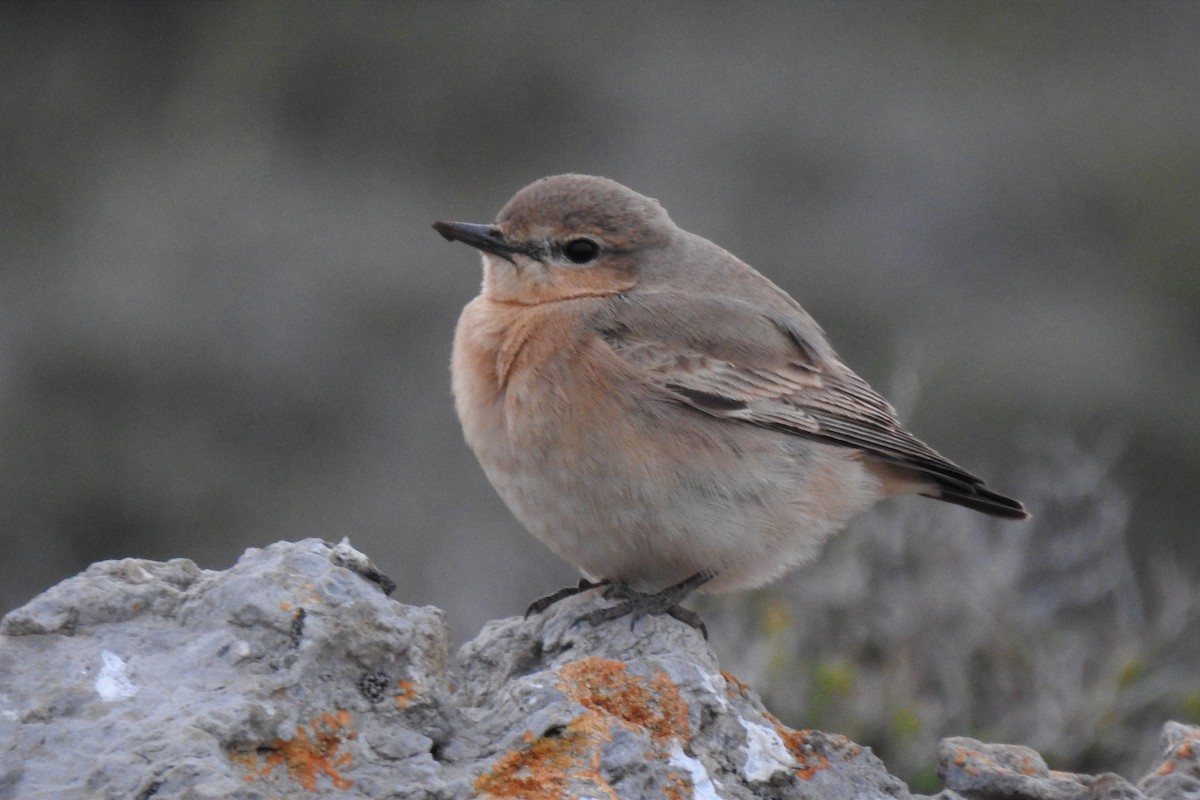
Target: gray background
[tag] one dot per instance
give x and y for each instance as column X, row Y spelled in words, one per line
column 224, row 319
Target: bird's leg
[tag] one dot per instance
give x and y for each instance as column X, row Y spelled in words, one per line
column 636, row 604
column 542, row 603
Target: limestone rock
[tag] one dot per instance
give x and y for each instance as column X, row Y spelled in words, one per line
column 979, row 771
column 1177, row 774
column 293, row 674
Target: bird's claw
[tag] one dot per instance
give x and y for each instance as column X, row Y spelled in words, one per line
column 636, row 605
column 542, row 603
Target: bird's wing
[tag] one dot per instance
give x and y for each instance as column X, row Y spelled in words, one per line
column 817, row 402
column 775, row 371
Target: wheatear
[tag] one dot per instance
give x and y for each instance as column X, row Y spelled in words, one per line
column 660, row 414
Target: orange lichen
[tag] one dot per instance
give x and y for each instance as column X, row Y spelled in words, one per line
column 566, row 763
column 306, row 757
column 967, row 761
column 734, row 687
column 553, row 767
column 812, row 749
column 673, row 709
column 809, row 761
column 247, row 760
column 408, row 691
column 1186, row 751
column 678, row 787
column 606, row 687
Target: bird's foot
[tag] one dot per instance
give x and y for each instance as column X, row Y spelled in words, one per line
column 542, row 603
column 637, row 604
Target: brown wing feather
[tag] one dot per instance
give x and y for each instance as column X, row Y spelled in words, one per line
column 802, row 394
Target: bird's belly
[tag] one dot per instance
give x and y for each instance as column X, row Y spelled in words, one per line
column 627, row 485
column 651, row 493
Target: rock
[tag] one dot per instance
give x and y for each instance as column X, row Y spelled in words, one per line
column 979, row 771
column 139, row 680
column 293, row 674
column 635, row 711
column 1178, row 773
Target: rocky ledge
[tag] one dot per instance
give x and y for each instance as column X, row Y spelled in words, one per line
column 293, row 675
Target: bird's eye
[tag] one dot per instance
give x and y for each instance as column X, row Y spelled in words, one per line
column 581, row 251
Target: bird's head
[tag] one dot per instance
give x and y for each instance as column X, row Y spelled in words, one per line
column 563, row 237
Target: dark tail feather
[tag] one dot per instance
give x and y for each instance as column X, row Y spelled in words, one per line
column 979, row 498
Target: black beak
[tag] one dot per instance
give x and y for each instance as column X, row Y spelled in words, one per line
column 483, row 237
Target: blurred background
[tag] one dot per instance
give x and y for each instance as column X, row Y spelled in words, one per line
column 225, row 320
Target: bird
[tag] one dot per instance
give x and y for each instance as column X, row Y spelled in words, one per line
column 660, row 414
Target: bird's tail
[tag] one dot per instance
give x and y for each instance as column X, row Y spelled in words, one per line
column 979, row 498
